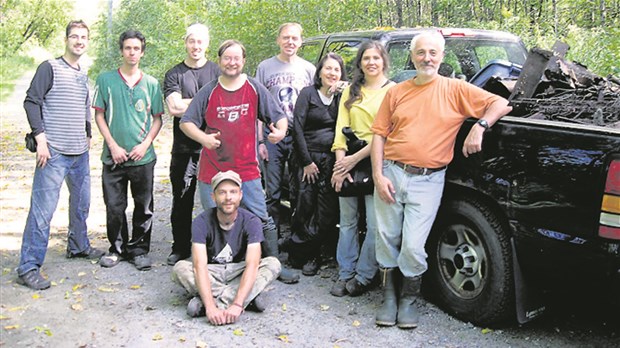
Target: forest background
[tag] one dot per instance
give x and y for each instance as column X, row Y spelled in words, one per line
column 590, row 27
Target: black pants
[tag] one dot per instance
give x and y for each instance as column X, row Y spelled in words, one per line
column 115, row 182
column 183, row 170
column 314, row 223
column 279, row 156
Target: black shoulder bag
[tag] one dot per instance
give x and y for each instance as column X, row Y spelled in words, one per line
column 362, row 172
column 31, row 142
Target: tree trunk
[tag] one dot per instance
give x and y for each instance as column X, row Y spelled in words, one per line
column 399, row 13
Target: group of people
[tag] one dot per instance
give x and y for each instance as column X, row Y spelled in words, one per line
column 227, row 125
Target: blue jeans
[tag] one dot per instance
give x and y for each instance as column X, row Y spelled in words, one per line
column 405, row 225
column 353, row 262
column 253, row 198
column 46, row 185
column 254, row 201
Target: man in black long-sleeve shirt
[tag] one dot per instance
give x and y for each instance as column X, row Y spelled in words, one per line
column 58, row 109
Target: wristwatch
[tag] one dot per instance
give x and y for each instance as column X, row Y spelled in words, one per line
column 484, row 124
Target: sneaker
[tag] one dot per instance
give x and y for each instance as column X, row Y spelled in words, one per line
column 195, row 308
column 110, row 259
column 90, row 254
column 142, row 262
column 355, row 288
column 258, row 304
column 34, row 280
column 173, row 258
column 311, row 268
column 339, row 288
column 288, row 277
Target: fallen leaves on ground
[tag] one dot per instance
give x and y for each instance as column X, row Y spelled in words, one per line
column 284, row 307
column 36, row 296
column 77, row 307
column 44, row 330
column 486, row 331
column 134, row 287
column 106, row 289
column 324, row 307
column 157, row 337
column 238, row 332
column 284, row 338
column 201, row 344
column 356, row 323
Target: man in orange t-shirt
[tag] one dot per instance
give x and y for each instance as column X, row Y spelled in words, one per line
column 414, row 135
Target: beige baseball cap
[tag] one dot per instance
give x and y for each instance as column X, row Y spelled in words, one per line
column 227, row 175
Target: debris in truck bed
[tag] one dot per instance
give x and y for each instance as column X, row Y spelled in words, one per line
column 565, row 91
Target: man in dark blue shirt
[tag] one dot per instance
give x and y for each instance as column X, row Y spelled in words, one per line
column 227, row 273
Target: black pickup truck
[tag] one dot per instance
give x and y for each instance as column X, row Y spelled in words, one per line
column 538, row 208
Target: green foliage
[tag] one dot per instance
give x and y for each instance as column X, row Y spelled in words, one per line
column 592, row 33
column 157, row 20
column 35, row 21
column 11, row 68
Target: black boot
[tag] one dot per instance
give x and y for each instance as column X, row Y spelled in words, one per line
column 270, row 248
column 386, row 314
column 407, row 312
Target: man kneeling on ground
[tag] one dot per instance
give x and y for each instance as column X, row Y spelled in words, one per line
column 228, row 273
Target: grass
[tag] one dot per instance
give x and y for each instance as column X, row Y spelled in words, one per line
column 11, row 68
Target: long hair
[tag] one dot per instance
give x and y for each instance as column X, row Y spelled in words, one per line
column 355, row 92
column 319, row 66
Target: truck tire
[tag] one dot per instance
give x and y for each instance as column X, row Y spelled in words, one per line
column 470, row 264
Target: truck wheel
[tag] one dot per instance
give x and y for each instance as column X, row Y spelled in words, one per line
column 470, row 264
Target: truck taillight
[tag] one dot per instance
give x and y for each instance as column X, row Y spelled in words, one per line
column 610, row 207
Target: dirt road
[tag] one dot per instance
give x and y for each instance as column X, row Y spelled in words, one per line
column 89, row 306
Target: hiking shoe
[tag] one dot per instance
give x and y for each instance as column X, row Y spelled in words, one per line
column 142, row 262
column 311, row 268
column 339, row 288
column 195, row 308
column 258, row 304
column 110, row 259
column 288, row 277
column 173, row 258
column 90, row 254
column 355, row 288
column 34, row 280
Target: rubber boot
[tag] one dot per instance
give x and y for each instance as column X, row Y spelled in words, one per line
column 270, row 244
column 270, row 248
column 386, row 314
column 408, row 315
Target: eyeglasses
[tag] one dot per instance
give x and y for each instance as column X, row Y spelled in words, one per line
column 227, row 59
column 76, row 37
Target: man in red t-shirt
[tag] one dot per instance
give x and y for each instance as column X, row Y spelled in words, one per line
column 227, row 110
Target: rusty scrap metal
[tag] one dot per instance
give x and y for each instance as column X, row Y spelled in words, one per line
column 551, row 88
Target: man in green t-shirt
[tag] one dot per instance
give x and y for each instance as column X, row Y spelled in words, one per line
column 128, row 107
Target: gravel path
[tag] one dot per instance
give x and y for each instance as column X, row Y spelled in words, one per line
column 89, row 306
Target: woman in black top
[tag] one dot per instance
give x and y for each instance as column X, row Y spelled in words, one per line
column 316, row 214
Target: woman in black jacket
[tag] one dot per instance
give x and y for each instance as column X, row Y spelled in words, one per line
column 316, row 215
